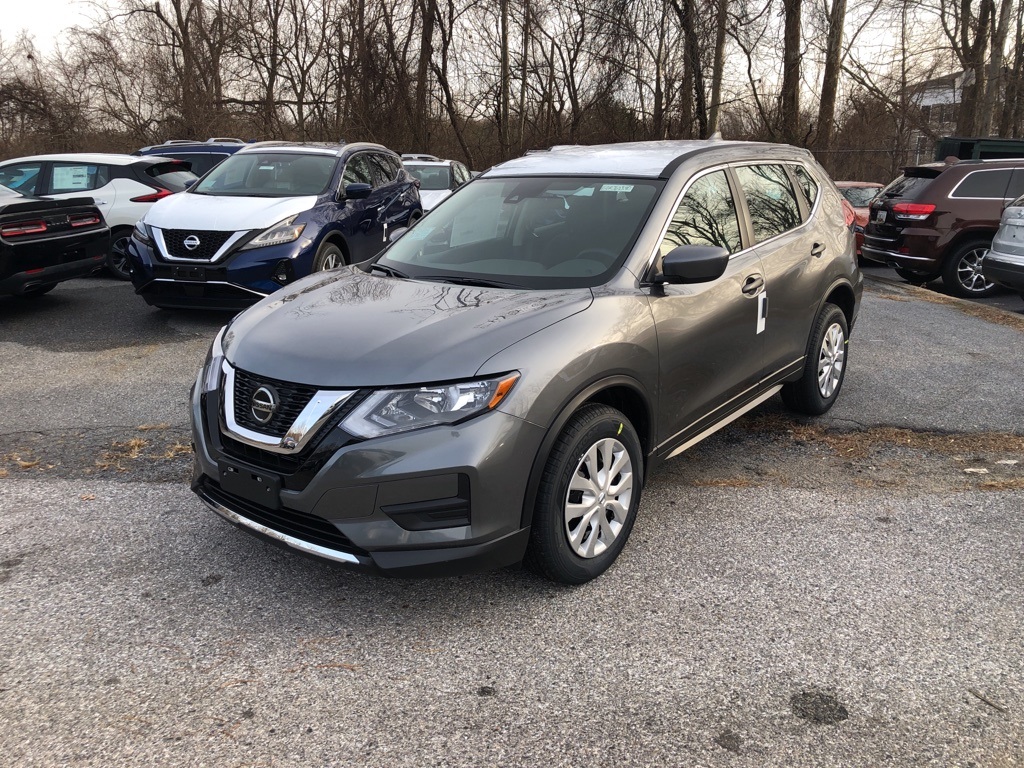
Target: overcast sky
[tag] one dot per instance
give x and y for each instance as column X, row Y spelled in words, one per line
column 43, row 19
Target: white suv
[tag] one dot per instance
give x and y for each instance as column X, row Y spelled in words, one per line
column 122, row 186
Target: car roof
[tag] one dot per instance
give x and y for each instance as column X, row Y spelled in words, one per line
column 865, row 184
column 641, row 159
column 312, row 148
column 83, row 157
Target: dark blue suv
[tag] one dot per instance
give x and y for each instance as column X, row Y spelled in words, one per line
column 269, row 214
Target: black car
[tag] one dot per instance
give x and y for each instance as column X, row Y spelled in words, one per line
column 200, row 155
column 45, row 242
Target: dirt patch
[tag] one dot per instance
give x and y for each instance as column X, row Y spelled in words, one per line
column 859, row 443
column 818, row 706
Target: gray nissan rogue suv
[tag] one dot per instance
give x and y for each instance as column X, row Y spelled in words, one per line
column 498, row 384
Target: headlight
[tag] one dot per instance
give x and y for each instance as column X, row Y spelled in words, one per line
column 141, row 233
column 399, row 410
column 283, row 232
column 214, row 363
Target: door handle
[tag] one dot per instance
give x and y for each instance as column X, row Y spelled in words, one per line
column 817, row 249
column 752, row 285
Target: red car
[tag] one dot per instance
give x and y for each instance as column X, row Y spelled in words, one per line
column 859, row 195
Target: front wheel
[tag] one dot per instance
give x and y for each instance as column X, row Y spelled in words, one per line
column 588, row 497
column 962, row 274
column 328, row 257
column 117, row 258
column 825, row 366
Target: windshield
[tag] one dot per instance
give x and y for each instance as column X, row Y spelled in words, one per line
column 268, row 174
column 859, row 197
column 431, row 177
column 528, row 232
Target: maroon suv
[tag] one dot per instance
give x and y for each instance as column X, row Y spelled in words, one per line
column 938, row 220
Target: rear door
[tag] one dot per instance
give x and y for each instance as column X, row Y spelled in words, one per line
column 792, row 256
column 70, row 179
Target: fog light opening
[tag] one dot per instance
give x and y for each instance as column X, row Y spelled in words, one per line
column 283, row 272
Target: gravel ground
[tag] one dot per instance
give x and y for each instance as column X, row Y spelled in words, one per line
column 834, row 592
column 742, row 626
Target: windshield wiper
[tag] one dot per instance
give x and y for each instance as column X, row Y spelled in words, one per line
column 478, row 281
column 389, row 271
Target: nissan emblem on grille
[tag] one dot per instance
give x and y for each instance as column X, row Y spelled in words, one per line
column 191, row 242
column 263, row 404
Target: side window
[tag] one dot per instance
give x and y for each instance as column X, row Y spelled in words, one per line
column 382, row 170
column 77, row 177
column 358, row 171
column 990, row 184
column 1016, row 188
column 770, row 200
column 21, row 177
column 807, row 184
column 706, row 216
column 461, row 174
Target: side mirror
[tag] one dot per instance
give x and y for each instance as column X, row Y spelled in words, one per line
column 397, row 233
column 694, row 264
column 190, row 183
column 357, row 191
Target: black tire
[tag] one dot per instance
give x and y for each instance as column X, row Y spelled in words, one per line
column 117, row 259
column 961, row 271
column 807, row 395
column 550, row 552
column 917, row 276
column 39, row 290
column 328, row 256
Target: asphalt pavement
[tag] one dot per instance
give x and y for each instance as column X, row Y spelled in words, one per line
column 833, row 592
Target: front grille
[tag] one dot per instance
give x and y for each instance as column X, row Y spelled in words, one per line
column 282, row 463
column 292, row 398
column 209, row 243
column 301, row 525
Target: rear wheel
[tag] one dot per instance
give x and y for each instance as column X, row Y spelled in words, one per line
column 329, row 256
column 962, row 274
column 825, row 367
column 588, row 497
column 917, row 276
column 117, row 258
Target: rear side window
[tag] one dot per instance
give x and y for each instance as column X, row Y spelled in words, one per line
column 808, row 185
column 1016, row 188
column 986, row 184
column 706, row 216
column 171, row 175
column 77, row 177
column 770, row 200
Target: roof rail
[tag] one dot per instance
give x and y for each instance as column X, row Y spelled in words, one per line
column 179, row 141
column 224, row 141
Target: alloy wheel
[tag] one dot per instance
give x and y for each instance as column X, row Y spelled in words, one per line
column 831, row 359
column 598, row 501
column 969, row 274
column 118, row 259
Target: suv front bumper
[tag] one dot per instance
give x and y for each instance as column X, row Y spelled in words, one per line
column 435, row 501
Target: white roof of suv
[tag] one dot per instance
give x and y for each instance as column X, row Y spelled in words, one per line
column 86, row 157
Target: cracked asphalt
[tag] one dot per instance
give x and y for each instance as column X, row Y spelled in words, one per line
column 834, row 592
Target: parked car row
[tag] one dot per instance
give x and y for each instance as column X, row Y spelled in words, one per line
column 940, row 219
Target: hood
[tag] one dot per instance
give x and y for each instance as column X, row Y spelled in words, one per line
column 210, row 212
column 348, row 329
column 431, row 197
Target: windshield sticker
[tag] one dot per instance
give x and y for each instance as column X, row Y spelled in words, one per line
column 616, row 187
column 420, row 232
